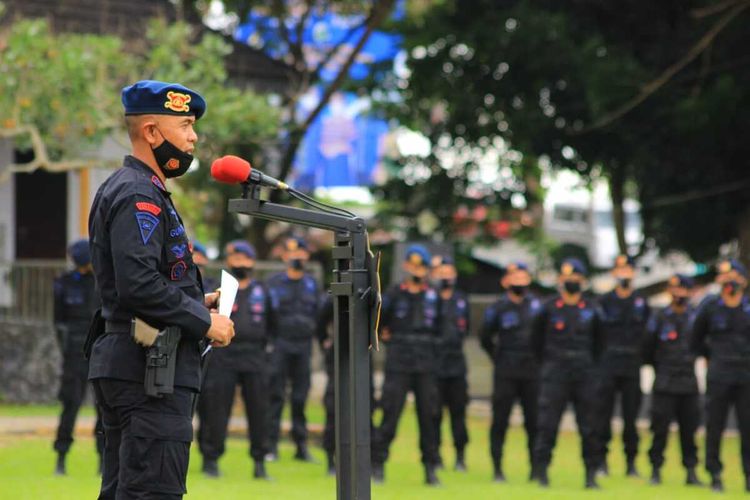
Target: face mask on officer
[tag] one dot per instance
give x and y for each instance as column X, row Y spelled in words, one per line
column 519, row 290
column 732, row 287
column 572, row 287
column 680, row 300
column 447, row 284
column 624, row 282
column 297, row 264
column 172, row 161
column 241, row 273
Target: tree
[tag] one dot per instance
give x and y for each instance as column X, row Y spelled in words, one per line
column 649, row 95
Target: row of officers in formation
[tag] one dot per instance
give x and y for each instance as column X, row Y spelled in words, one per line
column 571, row 348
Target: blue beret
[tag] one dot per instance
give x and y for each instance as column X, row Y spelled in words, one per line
column 160, row 98
column 682, row 281
column 732, row 265
column 199, row 247
column 295, row 242
column 79, row 252
column 241, row 246
column 517, row 266
column 417, row 254
column 572, row 265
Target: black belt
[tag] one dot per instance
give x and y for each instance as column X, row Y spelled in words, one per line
column 119, row 327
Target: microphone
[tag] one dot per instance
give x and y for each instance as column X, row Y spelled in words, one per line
column 234, row 170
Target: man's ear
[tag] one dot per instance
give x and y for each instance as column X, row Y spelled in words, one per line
column 150, row 132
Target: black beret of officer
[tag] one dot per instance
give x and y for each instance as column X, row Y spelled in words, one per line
column 151, row 97
column 79, row 252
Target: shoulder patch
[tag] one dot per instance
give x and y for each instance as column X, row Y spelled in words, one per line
column 147, row 222
column 178, row 270
column 179, row 250
column 145, row 206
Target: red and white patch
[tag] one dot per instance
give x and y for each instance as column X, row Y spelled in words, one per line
column 145, row 206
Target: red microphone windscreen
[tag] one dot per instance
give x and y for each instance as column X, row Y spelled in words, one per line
column 230, row 169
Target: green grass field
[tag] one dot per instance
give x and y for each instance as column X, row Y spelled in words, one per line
column 26, row 465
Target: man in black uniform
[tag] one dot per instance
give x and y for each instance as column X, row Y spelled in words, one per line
column 624, row 316
column 295, row 299
column 144, row 269
column 506, row 337
column 675, row 392
column 75, row 303
column 244, row 364
column 324, row 333
column 721, row 332
column 566, row 336
column 453, row 388
column 409, row 327
column 200, row 258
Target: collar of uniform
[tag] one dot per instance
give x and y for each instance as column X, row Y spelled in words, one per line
column 136, row 164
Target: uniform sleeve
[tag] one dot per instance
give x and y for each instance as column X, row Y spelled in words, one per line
column 325, row 317
column 699, row 330
column 59, row 310
column 137, row 244
column 386, row 309
column 538, row 326
column 488, row 326
column 597, row 330
column 649, row 342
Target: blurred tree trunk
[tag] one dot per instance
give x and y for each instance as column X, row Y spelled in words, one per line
column 617, row 194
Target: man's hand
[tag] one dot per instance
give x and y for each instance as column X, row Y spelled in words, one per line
column 385, row 334
column 211, row 300
column 221, row 330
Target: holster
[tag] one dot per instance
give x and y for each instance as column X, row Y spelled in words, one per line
column 96, row 330
column 161, row 359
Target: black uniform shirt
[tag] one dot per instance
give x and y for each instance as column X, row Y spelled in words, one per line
column 75, row 302
column 722, row 333
column 668, row 351
column 567, row 334
column 506, row 336
column 144, row 268
column 454, row 327
column 295, row 305
column 412, row 319
column 247, row 352
column 623, row 322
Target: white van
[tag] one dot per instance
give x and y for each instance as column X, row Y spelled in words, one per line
column 577, row 216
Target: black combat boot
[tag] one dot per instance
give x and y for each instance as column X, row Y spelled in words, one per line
column 331, row 470
column 631, row 471
column 603, row 470
column 460, row 461
column 303, row 454
column 692, row 478
column 259, row 471
column 539, row 474
column 499, row 477
column 655, row 476
column 747, row 484
column 430, row 477
column 378, row 474
column 439, row 464
column 591, row 483
column 210, row 467
column 716, row 483
column 60, row 465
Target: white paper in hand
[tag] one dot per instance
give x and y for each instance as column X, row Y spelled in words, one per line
column 229, row 287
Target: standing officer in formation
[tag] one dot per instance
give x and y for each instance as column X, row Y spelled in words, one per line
column 506, row 337
column 325, row 340
column 243, row 364
column 200, row 259
column 566, row 336
column 144, row 269
column 295, row 302
column 721, row 332
column 624, row 316
column 453, row 388
column 75, row 303
column 675, row 392
column 409, row 327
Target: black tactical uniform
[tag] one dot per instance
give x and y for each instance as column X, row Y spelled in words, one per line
column 144, row 269
column 412, row 320
column 623, row 324
column 243, row 363
column 75, row 303
column 567, row 339
column 506, row 337
column 294, row 309
column 722, row 333
column 675, row 392
column 453, row 388
column 325, row 320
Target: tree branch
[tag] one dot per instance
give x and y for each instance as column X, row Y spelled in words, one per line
column 653, row 86
column 710, row 10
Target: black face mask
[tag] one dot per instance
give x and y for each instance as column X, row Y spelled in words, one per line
column 519, row 290
column 680, row 301
column 241, row 273
column 172, row 161
column 624, row 283
column 447, row 284
column 297, row 264
column 416, row 279
column 731, row 287
column 572, row 287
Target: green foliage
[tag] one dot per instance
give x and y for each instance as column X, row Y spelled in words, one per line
column 62, row 84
